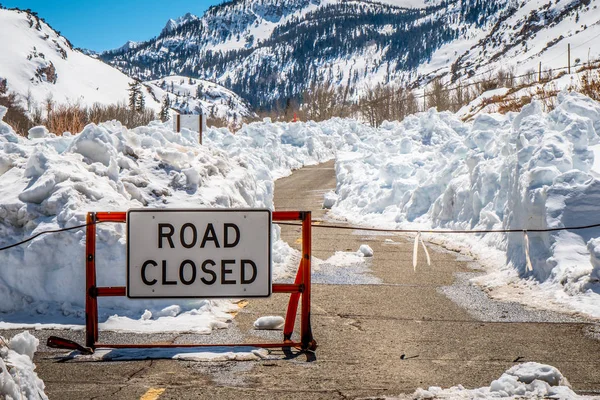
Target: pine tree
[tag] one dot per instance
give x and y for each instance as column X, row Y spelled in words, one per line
column 141, row 103
column 134, row 95
column 164, row 110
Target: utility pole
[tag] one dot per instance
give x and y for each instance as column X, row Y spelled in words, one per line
column 569, row 55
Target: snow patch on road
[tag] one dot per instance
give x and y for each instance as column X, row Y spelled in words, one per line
column 529, row 380
column 269, row 323
column 214, row 354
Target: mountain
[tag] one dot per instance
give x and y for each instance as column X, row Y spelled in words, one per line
column 173, row 24
column 40, row 65
column 270, row 51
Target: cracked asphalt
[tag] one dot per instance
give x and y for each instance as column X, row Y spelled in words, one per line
column 385, row 338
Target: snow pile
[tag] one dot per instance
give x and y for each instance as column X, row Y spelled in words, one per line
column 365, row 250
column 50, row 182
column 528, row 380
column 17, row 377
column 527, row 170
column 329, row 199
column 277, row 148
column 269, row 322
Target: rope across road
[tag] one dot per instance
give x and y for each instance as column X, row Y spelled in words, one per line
column 441, row 231
column 317, row 224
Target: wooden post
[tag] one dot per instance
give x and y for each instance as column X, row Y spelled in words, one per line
column 569, row 52
column 178, row 123
column 540, row 72
column 200, row 117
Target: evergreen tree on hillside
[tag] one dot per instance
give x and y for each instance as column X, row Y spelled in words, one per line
column 164, row 110
column 135, row 92
column 141, row 103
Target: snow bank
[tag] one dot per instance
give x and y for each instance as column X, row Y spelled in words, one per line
column 526, row 170
column 52, row 181
column 520, row 171
column 329, row 199
column 17, row 377
column 528, row 380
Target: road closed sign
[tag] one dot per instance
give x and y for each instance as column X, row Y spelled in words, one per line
column 198, row 253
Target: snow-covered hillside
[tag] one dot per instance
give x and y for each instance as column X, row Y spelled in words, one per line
column 533, row 32
column 190, row 96
column 40, row 64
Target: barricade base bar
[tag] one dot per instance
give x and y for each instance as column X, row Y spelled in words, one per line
column 192, row 345
column 121, row 291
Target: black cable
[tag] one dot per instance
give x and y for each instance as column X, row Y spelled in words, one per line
column 358, row 228
column 45, row 232
column 353, row 228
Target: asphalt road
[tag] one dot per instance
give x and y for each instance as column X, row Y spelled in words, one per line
column 383, row 339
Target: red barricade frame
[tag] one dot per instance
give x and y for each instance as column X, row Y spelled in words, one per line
column 300, row 288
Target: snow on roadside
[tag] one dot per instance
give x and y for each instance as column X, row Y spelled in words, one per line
column 51, row 181
column 18, row 379
column 523, row 170
column 523, row 381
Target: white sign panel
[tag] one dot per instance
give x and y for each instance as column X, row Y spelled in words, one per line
column 193, row 122
column 198, row 253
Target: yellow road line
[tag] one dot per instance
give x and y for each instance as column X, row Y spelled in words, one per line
column 152, row 394
column 241, row 304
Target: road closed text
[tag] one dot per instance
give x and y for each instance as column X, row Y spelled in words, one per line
column 198, row 253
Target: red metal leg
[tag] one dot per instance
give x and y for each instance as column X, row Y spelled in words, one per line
column 307, row 339
column 290, row 316
column 91, row 301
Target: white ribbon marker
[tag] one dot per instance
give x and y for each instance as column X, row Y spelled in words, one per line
column 426, row 252
column 416, row 250
column 527, row 258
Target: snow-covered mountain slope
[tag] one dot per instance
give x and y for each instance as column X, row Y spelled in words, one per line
column 38, row 63
column 173, row 24
column 271, row 50
column 191, row 96
column 533, row 32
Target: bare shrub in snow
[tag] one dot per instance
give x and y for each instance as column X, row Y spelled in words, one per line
column 438, row 96
column 528, row 77
column 16, row 115
column 590, row 84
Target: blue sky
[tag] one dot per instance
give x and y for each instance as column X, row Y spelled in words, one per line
column 103, row 25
